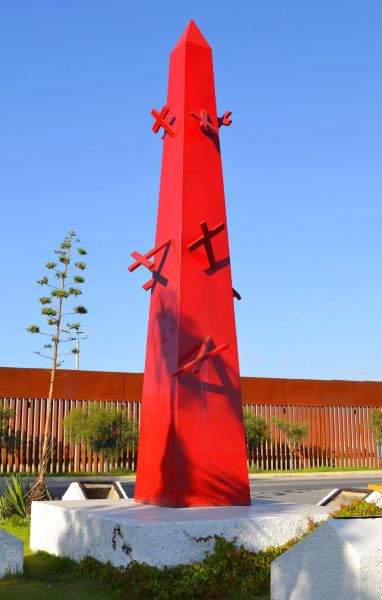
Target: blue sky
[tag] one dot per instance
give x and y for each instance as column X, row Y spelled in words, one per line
column 302, row 169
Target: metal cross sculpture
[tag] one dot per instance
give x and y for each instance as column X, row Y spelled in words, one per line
column 143, row 259
column 205, row 240
column 160, row 121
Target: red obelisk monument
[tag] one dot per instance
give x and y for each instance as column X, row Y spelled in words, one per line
column 191, row 447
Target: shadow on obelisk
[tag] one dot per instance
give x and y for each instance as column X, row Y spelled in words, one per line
column 175, row 463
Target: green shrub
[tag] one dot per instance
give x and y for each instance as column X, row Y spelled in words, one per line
column 294, row 433
column 256, row 430
column 229, row 572
column 105, row 429
column 358, row 509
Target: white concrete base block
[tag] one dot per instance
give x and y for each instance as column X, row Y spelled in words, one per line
column 74, row 492
column 11, row 554
column 375, row 498
column 119, row 531
column 340, row 560
column 77, row 490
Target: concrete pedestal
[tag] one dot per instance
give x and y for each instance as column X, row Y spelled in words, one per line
column 340, row 560
column 119, row 531
column 11, row 554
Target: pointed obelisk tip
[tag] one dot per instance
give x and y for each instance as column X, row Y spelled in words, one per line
column 192, row 35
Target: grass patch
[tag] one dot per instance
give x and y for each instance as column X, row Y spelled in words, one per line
column 46, row 576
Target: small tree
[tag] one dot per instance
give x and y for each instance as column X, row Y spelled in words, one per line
column 294, row 434
column 67, row 279
column 105, row 429
column 256, row 431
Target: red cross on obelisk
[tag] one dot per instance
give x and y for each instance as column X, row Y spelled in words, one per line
column 191, row 447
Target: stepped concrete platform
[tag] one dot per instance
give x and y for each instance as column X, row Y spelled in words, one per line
column 119, row 531
column 11, row 554
column 340, row 560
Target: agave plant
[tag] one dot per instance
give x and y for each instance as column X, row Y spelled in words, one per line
column 13, row 498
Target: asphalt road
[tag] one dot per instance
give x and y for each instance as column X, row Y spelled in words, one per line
column 305, row 490
column 299, row 490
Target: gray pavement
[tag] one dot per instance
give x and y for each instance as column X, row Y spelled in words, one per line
column 298, row 489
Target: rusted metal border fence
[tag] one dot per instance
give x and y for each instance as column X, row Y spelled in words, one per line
column 28, row 422
column 337, row 413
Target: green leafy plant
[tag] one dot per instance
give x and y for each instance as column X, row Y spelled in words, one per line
column 358, row 509
column 63, row 286
column 294, row 434
column 105, row 429
column 13, row 498
column 228, row 572
column 256, row 431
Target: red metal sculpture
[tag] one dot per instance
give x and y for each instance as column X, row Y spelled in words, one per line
column 191, row 448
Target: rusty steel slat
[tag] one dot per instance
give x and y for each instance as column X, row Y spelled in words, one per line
column 322, row 435
column 324, row 438
column 359, row 439
column 17, row 431
column 101, row 461
column 355, row 437
column 276, row 439
column 89, row 451
column 65, row 441
column 60, row 427
column 341, row 435
column 305, row 443
column 10, row 452
column 36, row 434
column 71, row 445
column 346, row 436
column 4, row 456
column 82, row 445
column 362, row 435
column 282, row 440
column 352, row 444
column 331, row 451
column 127, row 456
column 334, row 433
column 43, row 406
column 24, row 438
column 349, row 447
column 77, row 450
column 54, row 437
